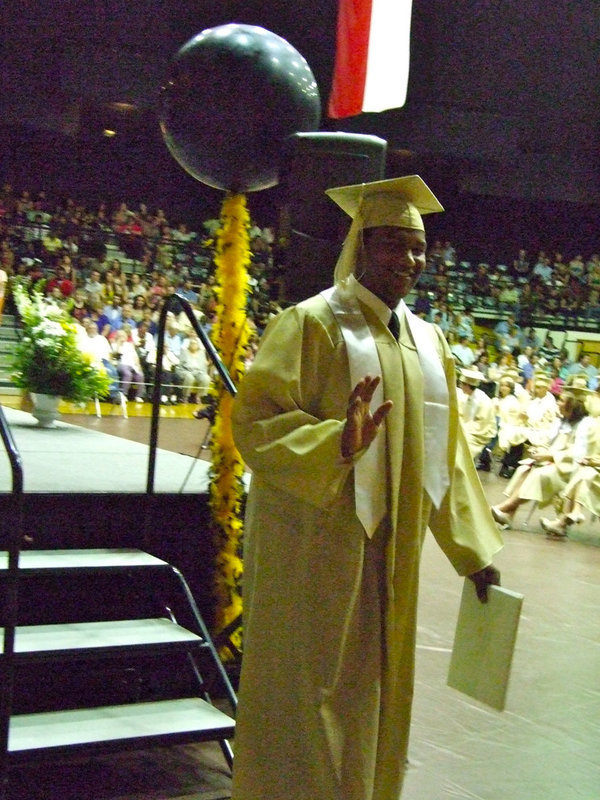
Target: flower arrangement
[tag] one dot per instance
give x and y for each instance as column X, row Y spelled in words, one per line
column 47, row 358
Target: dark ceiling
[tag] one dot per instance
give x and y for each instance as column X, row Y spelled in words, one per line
column 504, row 97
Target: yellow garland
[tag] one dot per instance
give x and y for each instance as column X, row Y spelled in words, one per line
column 230, row 333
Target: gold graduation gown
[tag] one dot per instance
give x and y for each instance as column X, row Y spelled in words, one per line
column 329, row 615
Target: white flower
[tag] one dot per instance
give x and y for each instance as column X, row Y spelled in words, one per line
column 48, row 327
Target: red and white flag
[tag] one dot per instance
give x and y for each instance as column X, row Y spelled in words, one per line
column 372, row 56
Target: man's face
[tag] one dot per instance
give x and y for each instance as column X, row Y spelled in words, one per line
column 395, row 259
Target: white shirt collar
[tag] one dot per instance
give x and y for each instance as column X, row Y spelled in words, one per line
column 377, row 305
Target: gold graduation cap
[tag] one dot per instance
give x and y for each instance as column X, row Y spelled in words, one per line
column 398, row 202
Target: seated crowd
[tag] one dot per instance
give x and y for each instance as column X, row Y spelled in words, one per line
column 547, row 285
column 73, row 249
column 545, row 432
column 81, row 257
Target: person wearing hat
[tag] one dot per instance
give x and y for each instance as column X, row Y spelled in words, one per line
column 542, row 414
column 511, row 419
column 477, row 415
column 582, row 492
column 348, row 420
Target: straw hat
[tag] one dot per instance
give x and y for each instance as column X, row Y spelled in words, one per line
column 472, row 377
column 576, row 382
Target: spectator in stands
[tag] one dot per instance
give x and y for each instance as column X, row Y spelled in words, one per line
column 151, row 319
column 113, row 311
column 36, row 234
column 543, row 268
column 145, row 346
column 448, row 254
column 138, row 307
column 170, row 380
column 96, row 314
column 466, row 324
column 482, row 347
column 93, row 286
column 435, row 253
column 422, row 305
column 127, row 362
column 187, row 290
column 502, row 328
column 79, row 310
column 593, row 277
column 52, row 243
column 481, row 284
column 521, row 266
column 577, row 268
column 584, row 366
column 136, row 286
column 99, row 349
column 511, row 340
column 60, row 281
column 559, row 268
column 439, row 307
column 556, row 382
column 193, row 369
column 509, row 296
column 528, row 338
column 592, row 262
column 173, row 337
column 109, row 287
column 127, row 316
column 464, row 354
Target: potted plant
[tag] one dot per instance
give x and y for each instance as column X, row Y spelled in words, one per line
column 48, row 362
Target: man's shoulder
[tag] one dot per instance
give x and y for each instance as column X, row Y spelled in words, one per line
column 313, row 311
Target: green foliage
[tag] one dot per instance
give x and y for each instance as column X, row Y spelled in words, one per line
column 48, row 359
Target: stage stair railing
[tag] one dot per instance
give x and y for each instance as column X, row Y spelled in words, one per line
column 118, row 652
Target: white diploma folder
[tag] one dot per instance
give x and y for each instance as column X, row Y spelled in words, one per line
column 484, row 644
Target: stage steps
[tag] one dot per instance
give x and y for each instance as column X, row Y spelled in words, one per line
column 135, row 725
column 109, row 677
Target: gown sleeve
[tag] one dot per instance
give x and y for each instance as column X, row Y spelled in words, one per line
column 285, row 428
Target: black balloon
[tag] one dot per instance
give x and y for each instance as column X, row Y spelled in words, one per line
column 234, row 93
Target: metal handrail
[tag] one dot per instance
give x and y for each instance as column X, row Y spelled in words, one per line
column 10, row 599
column 160, row 346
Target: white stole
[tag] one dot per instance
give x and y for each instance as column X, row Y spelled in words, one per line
column 436, row 413
column 370, row 468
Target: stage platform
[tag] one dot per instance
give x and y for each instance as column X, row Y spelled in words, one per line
column 71, row 458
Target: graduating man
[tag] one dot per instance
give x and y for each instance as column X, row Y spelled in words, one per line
column 348, row 420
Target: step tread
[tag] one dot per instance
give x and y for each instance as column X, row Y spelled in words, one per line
column 96, row 558
column 191, row 717
column 95, row 636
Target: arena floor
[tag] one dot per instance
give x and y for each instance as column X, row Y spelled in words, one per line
column 544, row 746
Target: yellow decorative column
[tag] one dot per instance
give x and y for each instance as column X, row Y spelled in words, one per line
column 230, row 335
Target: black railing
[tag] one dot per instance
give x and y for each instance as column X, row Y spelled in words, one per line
column 10, row 601
column 160, row 346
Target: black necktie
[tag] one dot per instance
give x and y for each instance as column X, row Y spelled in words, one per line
column 394, row 325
